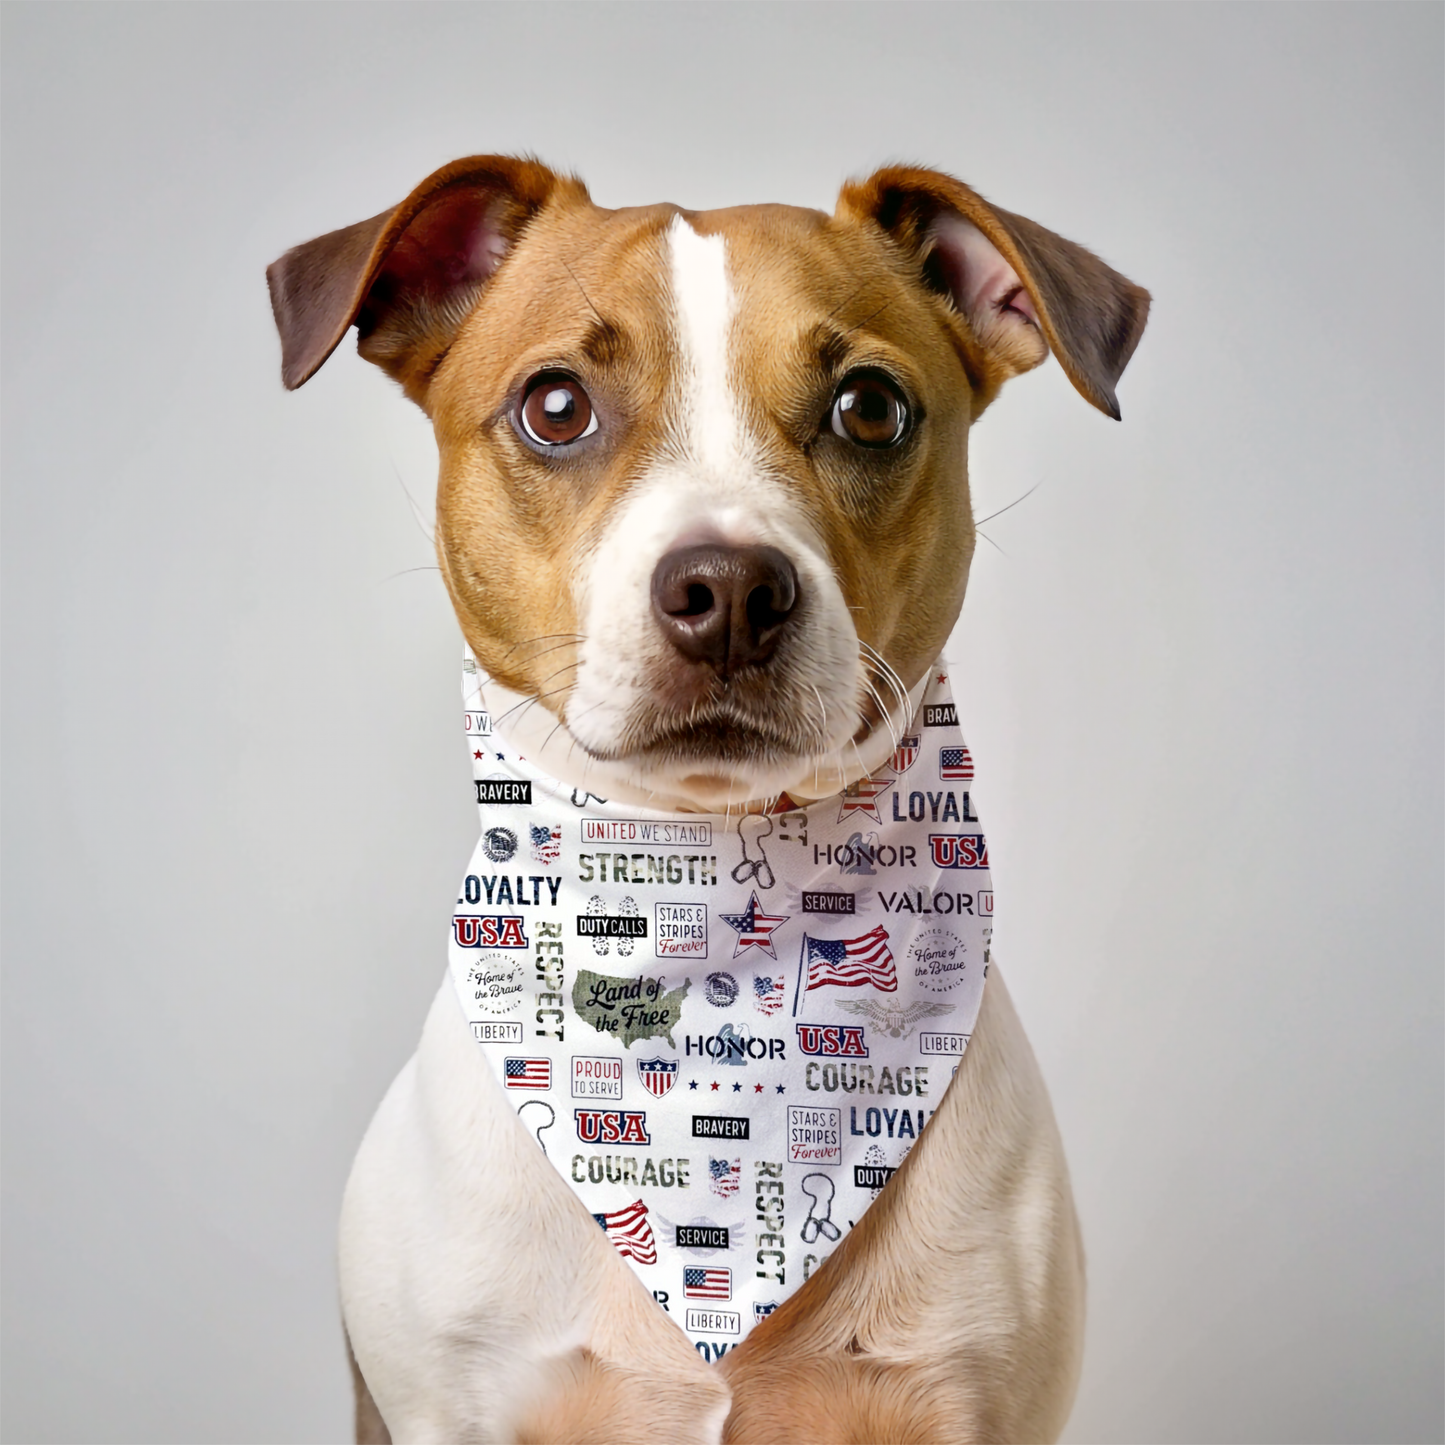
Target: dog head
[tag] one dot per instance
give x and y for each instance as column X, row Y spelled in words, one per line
column 703, row 508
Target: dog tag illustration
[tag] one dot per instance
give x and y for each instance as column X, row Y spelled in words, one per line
column 536, row 1115
column 758, row 869
column 819, row 1188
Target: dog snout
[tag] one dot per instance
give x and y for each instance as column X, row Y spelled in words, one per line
column 724, row 606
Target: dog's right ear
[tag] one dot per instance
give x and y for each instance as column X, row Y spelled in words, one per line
column 409, row 277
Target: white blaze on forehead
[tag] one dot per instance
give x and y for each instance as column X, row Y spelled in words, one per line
column 708, row 421
column 709, row 484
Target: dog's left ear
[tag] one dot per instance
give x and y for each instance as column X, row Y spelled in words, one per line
column 1020, row 288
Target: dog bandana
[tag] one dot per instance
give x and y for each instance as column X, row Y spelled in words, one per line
column 726, row 1032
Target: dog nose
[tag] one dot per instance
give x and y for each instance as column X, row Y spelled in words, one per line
column 725, row 606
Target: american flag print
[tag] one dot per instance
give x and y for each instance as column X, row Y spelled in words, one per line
column 955, row 765
column 862, row 797
column 707, row 1283
column 546, row 842
column 754, row 928
column 849, row 962
column 528, row 1073
column 630, row 1232
column 905, row 754
column 767, row 993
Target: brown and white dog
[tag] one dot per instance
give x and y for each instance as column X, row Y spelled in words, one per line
column 704, row 496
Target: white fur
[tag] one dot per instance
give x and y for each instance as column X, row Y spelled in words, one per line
column 708, row 430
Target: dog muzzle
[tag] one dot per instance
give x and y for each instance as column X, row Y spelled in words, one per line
column 726, row 1032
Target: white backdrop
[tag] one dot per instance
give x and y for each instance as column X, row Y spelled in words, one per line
column 1200, row 667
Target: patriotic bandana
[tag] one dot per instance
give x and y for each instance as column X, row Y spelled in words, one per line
column 726, row 1032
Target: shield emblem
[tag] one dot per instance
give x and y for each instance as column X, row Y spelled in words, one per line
column 905, row 754
column 762, row 1311
column 657, row 1075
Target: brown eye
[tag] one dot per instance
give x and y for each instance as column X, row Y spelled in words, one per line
column 869, row 411
column 555, row 410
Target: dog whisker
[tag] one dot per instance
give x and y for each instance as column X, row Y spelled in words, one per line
column 417, row 515
column 569, row 721
column 556, row 647
column 848, row 299
column 890, row 675
column 527, row 702
column 869, row 317
column 585, row 296
column 823, row 711
column 979, row 521
column 884, row 714
column 887, row 674
column 407, row 571
column 558, row 672
column 575, row 637
column 563, row 722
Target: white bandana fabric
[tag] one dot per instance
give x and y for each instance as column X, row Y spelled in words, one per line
column 726, row 1032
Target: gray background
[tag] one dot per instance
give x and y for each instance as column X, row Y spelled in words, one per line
column 1201, row 668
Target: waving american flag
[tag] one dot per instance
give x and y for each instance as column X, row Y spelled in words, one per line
column 630, row 1232
column 848, row 962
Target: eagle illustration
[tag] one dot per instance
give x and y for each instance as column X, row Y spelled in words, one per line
column 892, row 1018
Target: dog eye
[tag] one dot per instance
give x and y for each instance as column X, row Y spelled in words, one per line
column 869, row 411
column 555, row 410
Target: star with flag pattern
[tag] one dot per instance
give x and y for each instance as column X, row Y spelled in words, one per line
column 754, row 929
column 862, row 797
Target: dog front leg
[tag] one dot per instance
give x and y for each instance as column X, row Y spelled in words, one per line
column 482, row 1300
column 953, row 1310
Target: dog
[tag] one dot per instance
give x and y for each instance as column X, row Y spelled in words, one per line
column 703, row 513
